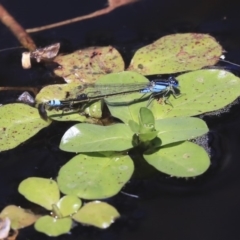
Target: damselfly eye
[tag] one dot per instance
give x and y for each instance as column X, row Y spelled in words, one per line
column 82, row 96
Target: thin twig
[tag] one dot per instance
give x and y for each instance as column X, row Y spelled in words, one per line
column 22, row 36
column 113, row 4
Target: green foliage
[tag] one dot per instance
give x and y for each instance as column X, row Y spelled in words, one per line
column 85, row 137
column 159, row 130
column 61, row 91
column 68, row 205
column 126, row 106
column 95, row 176
column 46, row 193
column 202, row 91
column 98, row 214
column 146, row 134
column 176, row 53
column 53, row 227
column 19, row 217
column 41, row 191
column 171, row 130
column 180, row 160
column 56, row 91
column 18, row 123
column 88, row 64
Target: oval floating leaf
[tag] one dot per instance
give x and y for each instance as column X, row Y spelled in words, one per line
column 19, row 217
column 178, row 129
column 87, row 65
column 53, row 227
column 85, row 137
column 20, row 122
column 56, row 91
column 41, row 191
column 68, row 205
column 66, row 115
column 176, row 53
column 202, row 91
column 94, row 110
column 95, row 175
column 125, row 106
column 98, row 214
column 60, row 92
column 182, row 160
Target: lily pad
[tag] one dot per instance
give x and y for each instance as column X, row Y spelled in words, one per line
column 65, row 92
column 95, row 176
column 177, row 129
column 94, row 110
column 53, row 227
column 202, row 91
column 85, row 137
column 56, row 91
column 19, row 217
column 176, row 53
column 20, row 122
column 180, row 160
column 98, row 214
column 87, row 65
column 66, row 115
column 41, row 191
column 68, row 205
column 124, row 106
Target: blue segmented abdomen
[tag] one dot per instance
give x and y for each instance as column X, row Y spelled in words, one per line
column 155, row 88
column 54, row 103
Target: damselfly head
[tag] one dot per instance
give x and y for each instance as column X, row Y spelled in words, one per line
column 82, row 96
column 173, row 81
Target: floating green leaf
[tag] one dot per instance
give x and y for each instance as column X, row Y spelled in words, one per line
column 177, row 129
column 19, row 217
column 146, row 120
column 95, row 176
column 124, row 106
column 60, row 92
column 53, row 227
column 181, row 160
column 68, row 205
column 66, row 115
column 85, row 137
column 56, row 91
column 87, row 65
column 176, row 53
column 98, row 214
column 134, row 126
column 202, row 91
column 94, row 110
column 20, row 122
column 41, row 191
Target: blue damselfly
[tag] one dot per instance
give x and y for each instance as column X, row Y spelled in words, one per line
column 99, row 91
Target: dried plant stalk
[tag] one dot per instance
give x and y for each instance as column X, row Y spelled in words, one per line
column 20, row 33
column 113, row 4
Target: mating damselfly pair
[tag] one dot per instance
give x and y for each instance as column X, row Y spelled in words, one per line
column 93, row 92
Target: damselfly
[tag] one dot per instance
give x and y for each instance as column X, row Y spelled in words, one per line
column 99, row 91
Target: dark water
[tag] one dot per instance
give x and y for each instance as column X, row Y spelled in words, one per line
column 205, row 208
